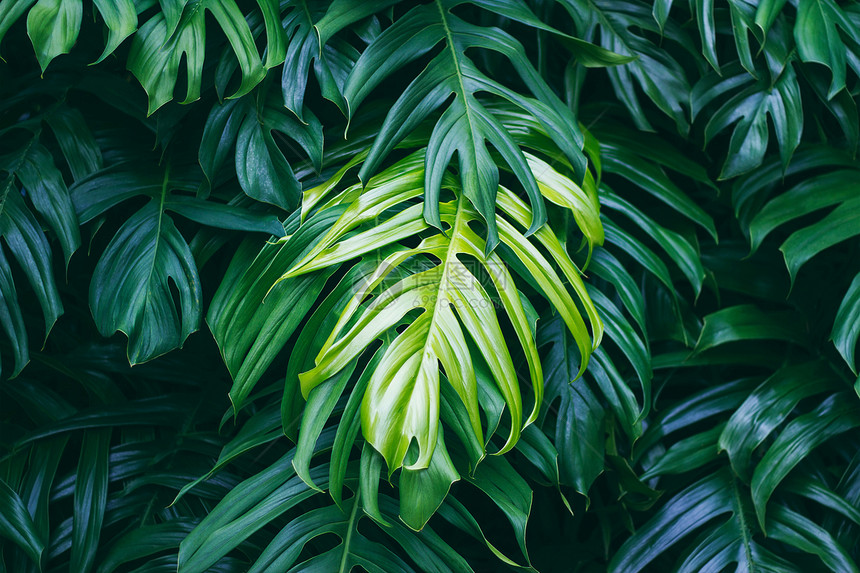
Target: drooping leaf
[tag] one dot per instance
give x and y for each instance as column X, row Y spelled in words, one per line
column 817, row 36
column 160, row 44
column 120, row 17
column 309, row 30
column 579, row 424
column 27, row 243
column 422, row 491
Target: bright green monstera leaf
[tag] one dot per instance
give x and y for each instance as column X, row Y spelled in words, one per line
column 437, row 301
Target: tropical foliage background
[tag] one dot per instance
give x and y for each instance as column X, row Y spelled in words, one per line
column 555, row 285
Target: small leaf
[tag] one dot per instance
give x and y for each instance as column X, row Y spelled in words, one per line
column 687, row 454
column 591, row 55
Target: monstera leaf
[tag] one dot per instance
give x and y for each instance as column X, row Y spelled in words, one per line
column 161, row 43
column 466, row 125
column 54, row 25
column 311, row 30
column 152, row 254
column 428, row 300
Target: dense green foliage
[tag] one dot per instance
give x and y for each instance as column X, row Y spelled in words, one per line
column 555, row 285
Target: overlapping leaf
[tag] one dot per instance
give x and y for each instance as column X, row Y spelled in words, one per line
column 816, row 32
column 311, row 30
column 112, row 476
column 813, row 194
column 54, row 25
column 466, row 126
column 160, row 44
column 750, row 109
column 449, row 313
column 654, row 70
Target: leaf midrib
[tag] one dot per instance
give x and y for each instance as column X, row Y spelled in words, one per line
column 160, row 215
column 449, row 40
column 746, row 538
column 349, row 530
column 449, row 254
